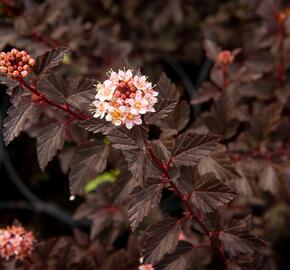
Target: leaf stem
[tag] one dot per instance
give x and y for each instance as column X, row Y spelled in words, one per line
column 166, row 178
column 77, row 116
column 225, row 76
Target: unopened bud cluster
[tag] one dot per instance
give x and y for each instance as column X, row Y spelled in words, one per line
column 123, row 98
column 15, row 242
column 146, row 267
column 16, row 64
column 225, row 57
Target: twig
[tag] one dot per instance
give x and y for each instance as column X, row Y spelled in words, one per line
column 64, row 107
column 185, row 198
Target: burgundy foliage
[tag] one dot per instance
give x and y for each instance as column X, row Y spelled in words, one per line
column 217, row 166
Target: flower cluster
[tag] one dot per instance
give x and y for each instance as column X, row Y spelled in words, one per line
column 15, row 242
column 123, row 98
column 225, row 57
column 16, row 64
column 146, row 267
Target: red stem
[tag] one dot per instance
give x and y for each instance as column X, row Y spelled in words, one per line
column 63, row 107
column 185, row 198
column 225, row 76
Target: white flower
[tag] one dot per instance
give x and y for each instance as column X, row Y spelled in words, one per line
column 101, row 108
column 138, row 104
column 123, row 98
column 125, row 76
column 105, row 90
column 131, row 120
column 115, row 116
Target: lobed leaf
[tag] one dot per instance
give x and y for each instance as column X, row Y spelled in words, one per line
column 49, row 140
column 176, row 120
column 82, row 93
column 90, row 160
column 142, row 200
column 163, row 108
column 16, row 118
column 179, row 259
column 210, row 193
column 123, row 138
column 189, row 148
column 220, row 164
column 54, row 87
column 47, row 61
column 237, row 240
column 166, row 89
column 206, row 92
column 262, row 125
column 137, row 163
column 222, row 118
column 162, row 238
column 97, row 125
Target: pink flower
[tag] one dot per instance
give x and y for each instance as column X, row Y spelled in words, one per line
column 146, row 267
column 225, row 57
column 15, row 242
column 123, row 98
column 181, row 236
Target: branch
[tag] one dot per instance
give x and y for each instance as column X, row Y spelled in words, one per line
column 63, row 107
column 185, row 198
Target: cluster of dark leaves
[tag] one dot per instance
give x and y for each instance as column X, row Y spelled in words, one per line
column 230, row 160
column 103, row 34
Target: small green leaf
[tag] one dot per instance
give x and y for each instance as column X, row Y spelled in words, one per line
column 104, row 177
column 66, row 59
column 106, row 140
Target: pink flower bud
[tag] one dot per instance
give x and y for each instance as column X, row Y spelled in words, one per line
column 15, row 242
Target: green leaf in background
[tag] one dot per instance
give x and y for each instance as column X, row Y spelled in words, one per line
column 104, row 177
column 106, row 140
column 66, row 59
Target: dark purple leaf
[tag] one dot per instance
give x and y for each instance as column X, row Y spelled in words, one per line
column 16, row 118
column 49, row 60
column 137, row 163
column 222, row 119
column 122, row 138
column 82, row 93
column 179, row 259
column 205, row 93
column 162, row 238
column 54, row 87
column 90, row 160
column 262, row 125
column 237, row 240
column 219, row 163
column 166, row 89
column 49, row 140
column 176, row 120
column 210, row 193
column 163, row 108
column 97, row 125
column 142, row 200
column 189, row 148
